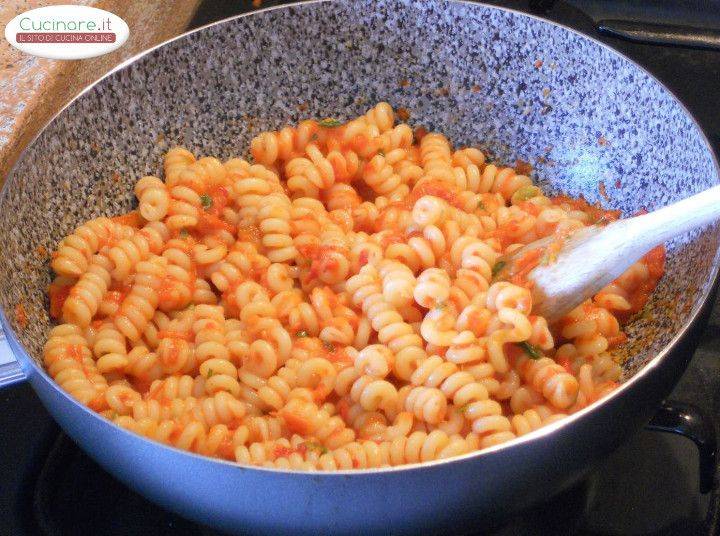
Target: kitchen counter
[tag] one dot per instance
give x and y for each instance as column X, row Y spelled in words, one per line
column 33, row 89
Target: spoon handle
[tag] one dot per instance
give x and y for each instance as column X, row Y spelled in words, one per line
column 656, row 227
column 593, row 257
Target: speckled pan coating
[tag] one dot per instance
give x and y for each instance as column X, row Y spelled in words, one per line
column 517, row 88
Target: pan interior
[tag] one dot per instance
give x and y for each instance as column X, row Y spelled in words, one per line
column 518, row 88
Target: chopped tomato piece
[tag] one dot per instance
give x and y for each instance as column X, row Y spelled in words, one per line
column 296, row 423
column 436, row 188
column 282, row 452
column 220, row 198
column 565, row 363
column 58, row 295
column 207, row 223
column 226, row 449
column 420, row 133
column 74, row 351
column 21, row 315
column 131, row 219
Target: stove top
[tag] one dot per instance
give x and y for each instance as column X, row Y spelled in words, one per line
column 650, row 486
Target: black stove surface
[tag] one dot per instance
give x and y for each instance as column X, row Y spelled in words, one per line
column 647, row 487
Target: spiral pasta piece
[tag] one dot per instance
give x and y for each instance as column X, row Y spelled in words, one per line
column 372, row 393
column 531, row 420
column 426, row 403
column 184, row 209
column 269, row 147
column 558, row 386
column 241, row 261
column 201, row 175
column 398, row 283
column 76, row 250
column 419, row 252
column 274, row 224
column 110, row 349
column 258, row 313
column 392, row 330
column 153, row 197
column 176, row 387
column 433, row 288
column 69, row 362
column 347, row 166
column 187, row 436
column 142, row 301
column 176, row 159
column 398, row 137
column 220, row 408
column 503, row 181
column 143, row 364
column 306, row 178
column 130, row 251
column 85, row 296
column 458, row 386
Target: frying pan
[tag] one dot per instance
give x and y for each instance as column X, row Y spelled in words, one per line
column 590, row 122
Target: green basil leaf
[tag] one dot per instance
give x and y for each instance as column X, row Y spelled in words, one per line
column 314, row 445
column 498, row 268
column 532, row 351
column 525, row 193
column 329, row 123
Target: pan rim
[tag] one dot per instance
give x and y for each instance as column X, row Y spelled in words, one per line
column 25, row 361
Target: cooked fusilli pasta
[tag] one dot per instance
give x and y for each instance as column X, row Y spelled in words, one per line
column 334, row 305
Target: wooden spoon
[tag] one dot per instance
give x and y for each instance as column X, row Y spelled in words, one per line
column 594, row 256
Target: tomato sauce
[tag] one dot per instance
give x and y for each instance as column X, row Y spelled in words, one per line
column 296, row 423
column 283, row 452
column 131, row 219
column 250, row 234
column 21, row 315
column 364, row 257
column 394, row 237
column 208, row 223
column 523, row 266
column 58, row 295
column 565, row 363
column 597, row 214
column 338, row 355
column 655, row 262
column 226, row 449
column 74, row 351
column 435, row 188
column 531, row 208
column 184, row 335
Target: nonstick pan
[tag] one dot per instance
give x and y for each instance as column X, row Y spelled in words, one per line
column 590, row 122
